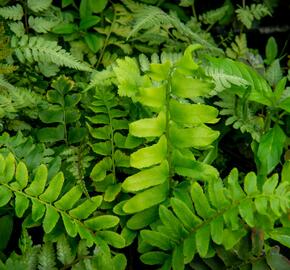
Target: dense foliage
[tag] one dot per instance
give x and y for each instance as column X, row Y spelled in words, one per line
column 143, row 135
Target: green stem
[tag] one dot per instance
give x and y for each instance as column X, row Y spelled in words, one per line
column 167, row 128
column 112, row 131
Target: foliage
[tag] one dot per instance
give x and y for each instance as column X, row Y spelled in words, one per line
column 122, row 125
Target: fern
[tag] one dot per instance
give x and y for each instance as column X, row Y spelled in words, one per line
column 225, row 72
column 38, row 5
column 167, row 152
column 248, row 13
column 47, row 258
column 213, row 215
column 50, row 203
column 239, row 48
column 42, row 24
column 213, row 16
column 111, row 122
column 63, row 111
column 14, row 13
column 146, row 17
column 17, row 28
column 63, row 253
column 39, row 49
column 76, row 161
column 241, row 114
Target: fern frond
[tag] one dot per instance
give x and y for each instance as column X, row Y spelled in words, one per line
column 41, row 50
column 7, row 68
column 51, row 203
column 225, row 71
column 213, row 16
column 17, row 28
column 248, row 13
column 14, row 13
column 64, row 252
column 239, row 48
column 241, row 114
column 6, row 85
column 110, row 118
column 47, row 258
column 38, row 5
column 77, row 160
column 215, row 215
column 223, row 80
column 42, row 24
column 102, row 78
column 148, row 16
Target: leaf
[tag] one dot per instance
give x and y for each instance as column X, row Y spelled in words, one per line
column 21, row 175
column 189, row 248
column 146, row 199
column 88, row 22
column 102, row 148
column 142, row 219
column 38, row 6
column 271, row 50
column 216, row 229
column 172, row 224
column 153, row 96
column 188, row 87
column 231, row 238
column 156, row 239
column 38, row 184
column 50, row 219
column 250, row 184
column 9, row 168
column 21, row 204
column 192, row 114
column 200, row 201
column 69, row 225
column 276, row 260
column 237, row 192
column 177, row 258
column 38, row 209
column 5, row 195
column 185, row 215
column 202, row 239
column 94, row 42
column 282, row 235
column 247, row 212
column 150, row 155
column 160, row 72
column 51, row 134
column 52, row 115
column 102, row 222
column 151, row 127
column 153, row 257
column 146, row 178
column 85, row 209
column 69, row 199
column 260, row 90
column 270, row 184
column 54, row 188
column 186, row 62
column 99, row 171
column 199, row 136
column 274, row 73
column 112, row 238
column 285, row 175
